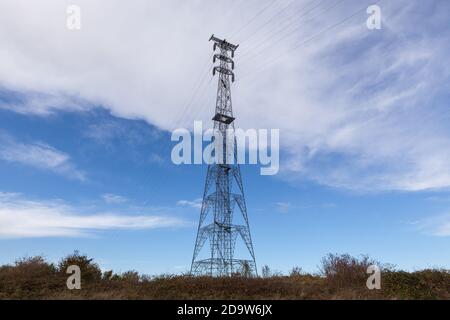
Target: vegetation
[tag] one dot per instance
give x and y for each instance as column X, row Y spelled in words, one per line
column 340, row 277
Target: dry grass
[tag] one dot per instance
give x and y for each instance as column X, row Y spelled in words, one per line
column 341, row 277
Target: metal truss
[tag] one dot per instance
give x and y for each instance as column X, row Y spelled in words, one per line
column 219, row 200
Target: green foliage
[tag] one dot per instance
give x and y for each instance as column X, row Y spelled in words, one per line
column 425, row 284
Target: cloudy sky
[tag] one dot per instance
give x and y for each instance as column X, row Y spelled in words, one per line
column 86, row 116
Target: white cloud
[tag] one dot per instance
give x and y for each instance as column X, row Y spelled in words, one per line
column 113, row 198
column 22, row 218
column 43, row 104
column 357, row 108
column 197, row 203
column 39, row 155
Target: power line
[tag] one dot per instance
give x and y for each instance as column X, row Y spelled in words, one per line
column 200, row 83
column 292, row 31
column 307, row 40
column 204, row 103
column 275, row 16
column 253, row 18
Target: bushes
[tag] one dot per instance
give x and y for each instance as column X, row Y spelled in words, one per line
column 265, row 271
column 33, row 277
column 425, row 284
column 345, row 271
column 296, row 272
column 341, row 277
column 91, row 271
column 28, row 277
column 130, row 276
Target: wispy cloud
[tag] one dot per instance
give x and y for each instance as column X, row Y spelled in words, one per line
column 283, row 207
column 156, row 158
column 23, row 218
column 438, row 226
column 107, row 131
column 39, row 155
column 113, row 198
column 439, row 198
column 197, row 203
column 113, row 134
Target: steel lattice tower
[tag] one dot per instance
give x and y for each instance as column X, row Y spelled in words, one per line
column 223, row 188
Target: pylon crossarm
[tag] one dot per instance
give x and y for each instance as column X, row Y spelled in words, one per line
column 223, row 44
column 223, row 70
column 223, row 58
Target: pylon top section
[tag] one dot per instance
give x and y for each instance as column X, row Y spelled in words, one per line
column 223, row 44
column 226, row 61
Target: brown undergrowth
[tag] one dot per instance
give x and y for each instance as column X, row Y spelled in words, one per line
column 340, row 277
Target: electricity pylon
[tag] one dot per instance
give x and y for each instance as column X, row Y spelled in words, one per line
column 223, row 188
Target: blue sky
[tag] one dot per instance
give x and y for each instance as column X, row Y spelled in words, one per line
column 86, row 116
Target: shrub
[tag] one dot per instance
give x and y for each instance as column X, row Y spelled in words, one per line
column 296, row 272
column 345, row 271
column 29, row 276
column 107, row 275
column 265, row 271
column 342, row 277
column 90, row 271
column 130, row 276
column 425, row 284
